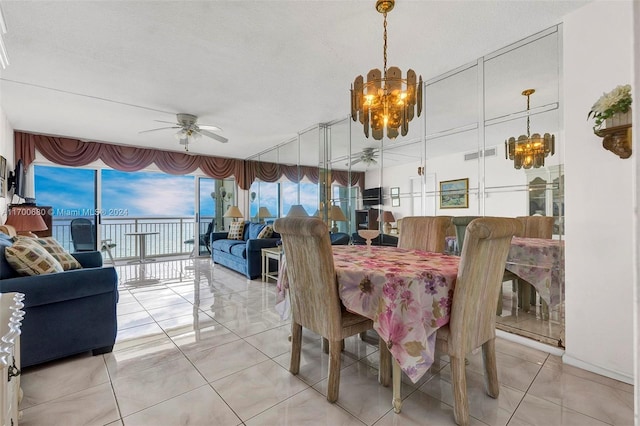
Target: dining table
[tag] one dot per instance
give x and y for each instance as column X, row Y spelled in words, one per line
column 142, row 244
column 407, row 293
column 540, row 262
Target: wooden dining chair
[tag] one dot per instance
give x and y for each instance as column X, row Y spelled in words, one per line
column 313, row 293
column 460, row 224
column 472, row 321
column 425, row 233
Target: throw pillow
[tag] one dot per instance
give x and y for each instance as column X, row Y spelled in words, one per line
column 236, row 231
column 54, row 248
column 28, row 258
column 266, row 232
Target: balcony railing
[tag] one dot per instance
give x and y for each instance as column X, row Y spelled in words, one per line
column 170, row 241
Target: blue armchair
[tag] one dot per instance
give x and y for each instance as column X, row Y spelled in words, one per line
column 66, row 313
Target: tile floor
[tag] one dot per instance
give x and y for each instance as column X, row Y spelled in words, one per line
column 201, row 345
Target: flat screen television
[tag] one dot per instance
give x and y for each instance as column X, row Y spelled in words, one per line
column 372, row 197
column 16, row 180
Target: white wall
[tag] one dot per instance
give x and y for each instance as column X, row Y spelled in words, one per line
column 598, row 53
column 6, row 150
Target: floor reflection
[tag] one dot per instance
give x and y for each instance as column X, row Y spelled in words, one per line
column 537, row 324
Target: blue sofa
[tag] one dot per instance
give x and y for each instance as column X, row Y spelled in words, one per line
column 66, row 313
column 244, row 255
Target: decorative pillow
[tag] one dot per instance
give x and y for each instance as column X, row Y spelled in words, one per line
column 58, row 252
column 236, row 231
column 28, row 258
column 266, row 232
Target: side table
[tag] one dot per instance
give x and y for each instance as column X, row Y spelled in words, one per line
column 274, row 253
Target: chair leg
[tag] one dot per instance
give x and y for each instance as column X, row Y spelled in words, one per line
column 333, row 385
column 296, row 347
column 108, row 250
column 490, row 368
column 384, row 373
column 325, row 345
column 499, row 307
column 459, row 382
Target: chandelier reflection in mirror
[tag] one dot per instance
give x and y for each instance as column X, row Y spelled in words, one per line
column 386, row 100
column 529, row 150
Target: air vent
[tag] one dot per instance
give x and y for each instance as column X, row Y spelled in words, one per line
column 489, row 152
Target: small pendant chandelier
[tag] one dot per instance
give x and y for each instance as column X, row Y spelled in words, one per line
column 529, row 150
column 386, row 100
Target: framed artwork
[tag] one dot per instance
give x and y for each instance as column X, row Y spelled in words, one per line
column 3, row 177
column 454, row 194
column 395, row 202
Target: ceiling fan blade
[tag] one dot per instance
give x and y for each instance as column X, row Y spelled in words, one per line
column 160, row 128
column 213, row 136
column 356, row 161
column 169, row 122
column 210, row 127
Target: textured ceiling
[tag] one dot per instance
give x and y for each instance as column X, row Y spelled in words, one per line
column 260, row 70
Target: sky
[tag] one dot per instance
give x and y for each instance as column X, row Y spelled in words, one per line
column 70, row 191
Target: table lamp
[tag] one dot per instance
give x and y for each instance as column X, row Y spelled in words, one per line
column 336, row 214
column 263, row 213
column 26, row 219
column 297, row 210
column 387, row 218
column 233, row 212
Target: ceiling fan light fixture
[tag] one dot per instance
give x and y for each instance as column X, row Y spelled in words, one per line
column 386, row 100
column 189, row 131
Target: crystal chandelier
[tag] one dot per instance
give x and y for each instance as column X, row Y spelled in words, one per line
column 386, row 100
column 529, row 150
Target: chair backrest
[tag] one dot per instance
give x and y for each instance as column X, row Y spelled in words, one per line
column 207, row 234
column 424, row 233
column 536, row 226
column 475, row 297
column 313, row 288
column 339, row 239
column 82, row 235
column 8, row 230
column 460, row 223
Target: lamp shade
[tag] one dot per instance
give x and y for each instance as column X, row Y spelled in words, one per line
column 264, row 212
column 387, row 216
column 336, row 214
column 297, row 211
column 233, row 211
column 26, row 219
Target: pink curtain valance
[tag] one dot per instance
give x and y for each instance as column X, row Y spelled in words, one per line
column 72, row 152
column 75, row 153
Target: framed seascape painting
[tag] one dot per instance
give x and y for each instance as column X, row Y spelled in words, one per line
column 454, row 194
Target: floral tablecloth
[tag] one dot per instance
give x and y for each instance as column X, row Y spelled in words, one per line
column 540, row 262
column 407, row 293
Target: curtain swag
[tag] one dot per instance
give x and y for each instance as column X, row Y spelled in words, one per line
column 73, row 152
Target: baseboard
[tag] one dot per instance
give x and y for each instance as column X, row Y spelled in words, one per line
column 534, row 344
column 569, row 360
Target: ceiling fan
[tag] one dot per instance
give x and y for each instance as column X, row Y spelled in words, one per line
column 190, row 130
column 368, row 157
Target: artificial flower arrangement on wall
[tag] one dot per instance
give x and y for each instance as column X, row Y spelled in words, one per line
column 612, row 115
